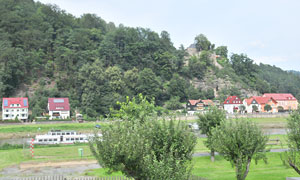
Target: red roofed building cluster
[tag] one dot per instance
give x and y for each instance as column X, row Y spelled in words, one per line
column 15, row 108
column 59, row 108
column 232, row 104
column 260, row 103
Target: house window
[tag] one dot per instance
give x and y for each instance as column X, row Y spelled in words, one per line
column 17, row 110
column 12, row 110
column 6, row 115
column 6, row 110
column 23, row 110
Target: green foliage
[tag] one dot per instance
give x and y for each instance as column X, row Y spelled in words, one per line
column 139, row 109
column 149, row 84
column 174, row 103
column 144, row 148
column 292, row 156
column 222, row 51
column 239, row 142
column 96, row 64
column 207, row 122
column 254, row 108
column 242, row 108
column 178, row 87
column 267, row 108
column 202, row 43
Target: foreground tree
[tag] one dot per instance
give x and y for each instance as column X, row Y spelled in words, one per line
column 207, row 122
column 292, row 157
column 145, row 148
column 239, row 142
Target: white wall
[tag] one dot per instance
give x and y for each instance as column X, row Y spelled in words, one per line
column 63, row 114
column 229, row 107
column 12, row 113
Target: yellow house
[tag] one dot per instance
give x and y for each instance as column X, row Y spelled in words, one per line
column 286, row 100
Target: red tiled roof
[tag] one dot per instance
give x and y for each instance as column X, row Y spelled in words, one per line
column 259, row 100
column 262, row 100
column 208, row 102
column 281, row 96
column 59, row 104
column 194, row 102
column 249, row 101
column 22, row 101
column 233, row 100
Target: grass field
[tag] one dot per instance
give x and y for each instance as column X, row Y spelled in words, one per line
column 222, row 169
column 67, row 152
column 70, row 152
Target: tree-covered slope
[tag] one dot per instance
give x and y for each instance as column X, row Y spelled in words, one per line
column 46, row 52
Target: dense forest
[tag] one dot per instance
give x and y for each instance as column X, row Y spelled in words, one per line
column 96, row 63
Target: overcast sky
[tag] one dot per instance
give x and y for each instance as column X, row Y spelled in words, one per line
column 267, row 31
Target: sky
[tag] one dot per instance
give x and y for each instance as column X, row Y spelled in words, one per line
column 268, row 31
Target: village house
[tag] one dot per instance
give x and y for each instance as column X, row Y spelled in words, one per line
column 232, row 104
column 199, row 105
column 15, row 108
column 260, row 103
column 285, row 100
column 59, row 108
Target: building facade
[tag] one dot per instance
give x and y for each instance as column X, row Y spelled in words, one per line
column 59, row 108
column 286, row 100
column 15, row 108
column 260, row 102
column 232, row 104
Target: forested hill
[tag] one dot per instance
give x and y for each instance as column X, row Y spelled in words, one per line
column 46, row 52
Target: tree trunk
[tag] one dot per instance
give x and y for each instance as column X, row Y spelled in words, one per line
column 240, row 175
column 212, row 156
column 247, row 169
column 294, row 166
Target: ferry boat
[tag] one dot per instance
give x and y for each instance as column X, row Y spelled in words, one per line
column 62, row 137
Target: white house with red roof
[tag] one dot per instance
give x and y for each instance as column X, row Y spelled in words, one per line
column 286, row 100
column 59, row 108
column 232, row 104
column 13, row 108
column 260, row 102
